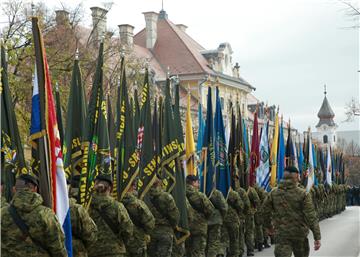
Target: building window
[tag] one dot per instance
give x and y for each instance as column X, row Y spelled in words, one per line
column 222, row 103
column 334, row 139
column 325, row 139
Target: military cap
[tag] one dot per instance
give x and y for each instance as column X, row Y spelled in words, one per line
column 105, row 177
column 29, row 179
column 291, row 169
column 191, row 178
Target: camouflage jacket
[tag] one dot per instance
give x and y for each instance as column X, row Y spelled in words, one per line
column 109, row 242
column 83, row 228
column 236, row 207
column 245, row 199
column 43, row 225
column 4, row 203
column 292, row 212
column 141, row 216
column 162, row 206
column 220, row 210
column 203, row 209
column 255, row 201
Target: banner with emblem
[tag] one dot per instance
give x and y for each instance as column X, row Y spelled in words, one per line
column 75, row 125
column 96, row 146
column 145, row 144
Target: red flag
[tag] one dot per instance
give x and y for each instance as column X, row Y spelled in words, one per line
column 254, row 155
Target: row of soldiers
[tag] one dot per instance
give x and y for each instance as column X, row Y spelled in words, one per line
column 328, row 200
column 353, row 195
column 218, row 226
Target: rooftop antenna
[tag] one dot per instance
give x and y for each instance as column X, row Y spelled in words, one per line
column 162, row 5
column 325, row 90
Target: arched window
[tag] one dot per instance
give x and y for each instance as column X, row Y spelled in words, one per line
column 325, row 139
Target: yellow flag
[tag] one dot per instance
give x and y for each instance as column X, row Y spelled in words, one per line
column 189, row 143
column 274, row 149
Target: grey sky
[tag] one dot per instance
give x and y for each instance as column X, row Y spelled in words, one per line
column 287, row 49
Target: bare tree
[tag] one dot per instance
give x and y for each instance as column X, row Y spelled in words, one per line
column 352, row 10
column 352, row 109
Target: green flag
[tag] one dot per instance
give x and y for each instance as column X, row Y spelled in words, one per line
column 170, row 146
column 11, row 147
column 59, row 114
column 127, row 158
column 96, row 147
column 148, row 158
column 75, row 125
column 179, row 191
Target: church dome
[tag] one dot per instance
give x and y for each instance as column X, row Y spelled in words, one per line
column 326, row 114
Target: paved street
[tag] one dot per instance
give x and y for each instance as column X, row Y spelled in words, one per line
column 340, row 236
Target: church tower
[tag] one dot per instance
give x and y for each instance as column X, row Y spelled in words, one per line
column 326, row 126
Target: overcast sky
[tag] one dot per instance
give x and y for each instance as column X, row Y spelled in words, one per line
column 286, row 49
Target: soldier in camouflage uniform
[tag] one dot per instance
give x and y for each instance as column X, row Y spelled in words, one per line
column 144, row 223
column 215, row 222
column 249, row 222
column 203, row 209
column 83, row 228
column 244, row 197
column 44, row 237
column 259, row 235
column 232, row 222
column 162, row 206
column 292, row 212
column 113, row 222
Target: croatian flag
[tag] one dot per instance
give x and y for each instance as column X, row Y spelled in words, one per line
column 56, row 171
column 44, row 129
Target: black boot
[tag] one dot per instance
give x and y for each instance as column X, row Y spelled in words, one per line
column 259, row 247
column 250, row 254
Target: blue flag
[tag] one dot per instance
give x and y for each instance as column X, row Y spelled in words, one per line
column 223, row 181
column 301, row 159
column 207, row 170
column 281, row 154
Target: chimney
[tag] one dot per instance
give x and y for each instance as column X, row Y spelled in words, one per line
column 151, row 28
column 99, row 23
column 182, row 27
column 126, row 35
column 62, row 17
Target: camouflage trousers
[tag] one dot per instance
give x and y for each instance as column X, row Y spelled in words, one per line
column 242, row 237
column 214, row 245
column 161, row 243
column 284, row 248
column 249, row 232
column 196, row 246
column 234, row 244
column 259, row 236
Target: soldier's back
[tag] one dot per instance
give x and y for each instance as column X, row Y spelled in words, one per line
column 110, row 237
column 288, row 201
column 46, row 237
